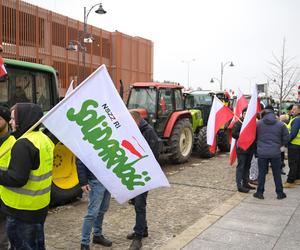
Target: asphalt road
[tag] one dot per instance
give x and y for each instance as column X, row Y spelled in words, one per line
column 197, row 187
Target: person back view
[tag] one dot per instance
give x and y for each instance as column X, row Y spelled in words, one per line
column 271, row 135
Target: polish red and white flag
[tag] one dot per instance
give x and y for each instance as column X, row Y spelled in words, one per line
column 218, row 116
column 248, row 130
column 241, row 104
column 3, row 71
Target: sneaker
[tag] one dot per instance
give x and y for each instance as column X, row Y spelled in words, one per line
column 297, row 182
column 249, row 186
column 84, row 247
column 281, row 196
column 101, row 241
column 288, row 185
column 243, row 190
column 258, row 196
column 136, row 244
column 133, row 235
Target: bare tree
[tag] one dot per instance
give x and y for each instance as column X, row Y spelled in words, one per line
column 284, row 76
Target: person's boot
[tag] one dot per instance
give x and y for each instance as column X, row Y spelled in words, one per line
column 288, row 185
column 101, row 241
column 281, row 196
column 136, row 244
column 84, row 247
column 133, row 235
column 243, row 190
column 258, row 196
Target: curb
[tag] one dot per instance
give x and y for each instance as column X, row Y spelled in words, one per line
column 202, row 224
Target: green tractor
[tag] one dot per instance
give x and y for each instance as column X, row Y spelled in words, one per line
column 162, row 105
column 199, row 103
column 37, row 83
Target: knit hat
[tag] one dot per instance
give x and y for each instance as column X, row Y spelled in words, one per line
column 5, row 113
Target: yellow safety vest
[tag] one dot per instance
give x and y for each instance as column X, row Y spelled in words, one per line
column 4, row 160
column 296, row 140
column 35, row 194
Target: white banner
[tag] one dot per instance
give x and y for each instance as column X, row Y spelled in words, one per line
column 93, row 122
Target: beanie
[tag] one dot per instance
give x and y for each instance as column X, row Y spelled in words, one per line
column 5, row 113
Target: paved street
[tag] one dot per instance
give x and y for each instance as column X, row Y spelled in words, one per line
column 197, row 188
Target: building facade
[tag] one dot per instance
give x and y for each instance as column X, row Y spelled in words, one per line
column 34, row 34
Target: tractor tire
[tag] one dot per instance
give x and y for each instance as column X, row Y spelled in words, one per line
column 65, row 185
column 224, row 141
column 181, row 141
column 202, row 148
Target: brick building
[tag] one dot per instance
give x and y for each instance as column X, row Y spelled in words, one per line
column 34, row 34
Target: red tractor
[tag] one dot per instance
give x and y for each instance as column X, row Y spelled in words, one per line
column 162, row 105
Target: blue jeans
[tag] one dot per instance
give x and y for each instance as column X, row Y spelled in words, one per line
column 140, row 203
column 263, row 164
column 99, row 199
column 25, row 236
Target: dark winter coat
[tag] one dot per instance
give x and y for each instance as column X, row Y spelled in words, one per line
column 151, row 137
column 236, row 129
column 271, row 134
column 84, row 174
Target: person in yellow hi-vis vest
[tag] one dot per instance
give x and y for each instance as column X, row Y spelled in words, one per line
column 25, row 195
column 6, row 142
column 294, row 148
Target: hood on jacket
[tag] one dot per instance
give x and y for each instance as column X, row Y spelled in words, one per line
column 269, row 118
column 26, row 115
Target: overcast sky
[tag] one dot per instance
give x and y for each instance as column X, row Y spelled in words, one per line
column 246, row 32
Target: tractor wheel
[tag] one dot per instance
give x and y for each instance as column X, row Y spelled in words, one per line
column 202, row 148
column 181, row 141
column 224, row 141
column 65, row 184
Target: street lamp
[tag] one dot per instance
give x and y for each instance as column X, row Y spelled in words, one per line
column 99, row 11
column 222, row 71
column 75, row 45
column 188, row 62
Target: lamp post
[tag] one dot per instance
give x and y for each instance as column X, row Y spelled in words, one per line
column 223, row 65
column 75, row 45
column 99, row 11
column 188, row 62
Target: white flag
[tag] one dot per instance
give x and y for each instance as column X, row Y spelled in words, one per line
column 93, row 122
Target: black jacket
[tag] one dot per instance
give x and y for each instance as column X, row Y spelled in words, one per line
column 151, row 137
column 24, row 158
column 236, row 129
column 84, row 174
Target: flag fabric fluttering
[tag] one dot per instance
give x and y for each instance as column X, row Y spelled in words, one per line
column 248, row 130
column 94, row 123
column 218, row 116
column 3, row 71
column 241, row 104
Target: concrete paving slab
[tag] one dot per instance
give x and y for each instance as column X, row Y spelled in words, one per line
column 284, row 244
column 250, row 226
column 237, row 238
column 293, row 201
column 209, row 245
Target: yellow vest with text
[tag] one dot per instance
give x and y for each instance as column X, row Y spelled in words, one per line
column 4, row 160
column 35, row 194
column 296, row 140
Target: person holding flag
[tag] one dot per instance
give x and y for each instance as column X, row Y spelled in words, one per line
column 271, row 136
column 244, row 158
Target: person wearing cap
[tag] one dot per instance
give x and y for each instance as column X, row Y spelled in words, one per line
column 25, row 195
column 294, row 148
column 6, row 142
column 271, row 135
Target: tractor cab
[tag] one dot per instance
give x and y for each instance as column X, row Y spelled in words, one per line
column 156, row 102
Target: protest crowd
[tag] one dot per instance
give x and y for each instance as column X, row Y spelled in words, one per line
column 259, row 142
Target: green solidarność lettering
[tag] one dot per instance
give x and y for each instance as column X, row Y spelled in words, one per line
column 96, row 131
